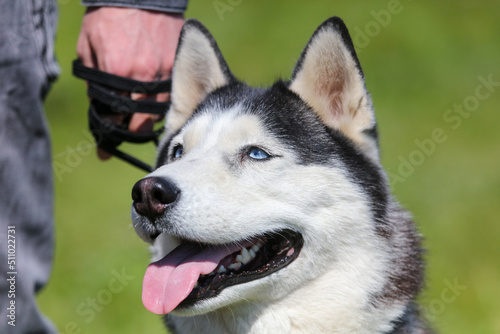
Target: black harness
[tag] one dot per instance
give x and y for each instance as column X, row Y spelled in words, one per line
column 105, row 91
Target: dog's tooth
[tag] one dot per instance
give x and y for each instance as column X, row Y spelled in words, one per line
column 252, row 253
column 239, row 258
column 222, row 269
column 235, row 266
column 246, row 256
column 255, row 248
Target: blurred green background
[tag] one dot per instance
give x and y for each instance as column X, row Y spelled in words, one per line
column 421, row 62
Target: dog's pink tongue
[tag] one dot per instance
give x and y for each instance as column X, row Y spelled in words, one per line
column 170, row 280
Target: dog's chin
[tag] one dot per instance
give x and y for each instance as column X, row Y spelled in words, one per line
column 216, row 267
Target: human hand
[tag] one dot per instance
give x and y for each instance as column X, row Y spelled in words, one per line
column 134, row 43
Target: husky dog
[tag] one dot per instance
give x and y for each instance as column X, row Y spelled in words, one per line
column 269, row 211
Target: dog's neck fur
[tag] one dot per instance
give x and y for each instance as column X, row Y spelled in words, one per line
column 290, row 316
column 290, row 319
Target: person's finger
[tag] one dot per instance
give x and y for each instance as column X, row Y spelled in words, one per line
column 143, row 122
column 103, row 155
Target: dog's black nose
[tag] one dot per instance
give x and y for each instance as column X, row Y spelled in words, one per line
column 153, row 195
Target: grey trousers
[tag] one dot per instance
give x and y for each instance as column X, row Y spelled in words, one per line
column 27, row 67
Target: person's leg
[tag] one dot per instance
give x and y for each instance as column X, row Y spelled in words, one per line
column 26, row 190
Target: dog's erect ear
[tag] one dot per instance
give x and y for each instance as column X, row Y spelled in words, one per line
column 199, row 68
column 328, row 78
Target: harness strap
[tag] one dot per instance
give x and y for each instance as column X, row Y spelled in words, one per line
column 106, row 101
column 122, row 104
column 119, row 83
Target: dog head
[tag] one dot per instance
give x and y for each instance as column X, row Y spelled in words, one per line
column 261, row 191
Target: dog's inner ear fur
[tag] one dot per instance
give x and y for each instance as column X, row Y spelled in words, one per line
column 199, row 68
column 329, row 79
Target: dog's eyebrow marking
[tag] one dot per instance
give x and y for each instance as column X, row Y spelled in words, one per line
column 227, row 129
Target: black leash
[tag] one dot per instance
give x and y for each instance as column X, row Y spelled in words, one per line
column 105, row 101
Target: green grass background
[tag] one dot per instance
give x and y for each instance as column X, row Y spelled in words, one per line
column 426, row 59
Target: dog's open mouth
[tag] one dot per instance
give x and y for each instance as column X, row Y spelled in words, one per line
column 194, row 271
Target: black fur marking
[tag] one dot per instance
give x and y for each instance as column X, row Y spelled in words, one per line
column 405, row 274
column 410, row 322
column 373, row 132
column 406, row 242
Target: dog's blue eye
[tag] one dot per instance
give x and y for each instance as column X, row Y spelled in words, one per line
column 178, row 150
column 258, row 154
